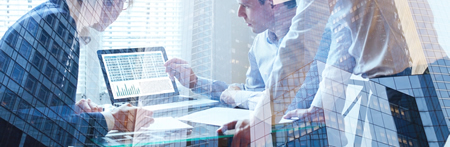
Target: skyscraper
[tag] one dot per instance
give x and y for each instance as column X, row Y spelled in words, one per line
column 39, row 70
column 401, row 110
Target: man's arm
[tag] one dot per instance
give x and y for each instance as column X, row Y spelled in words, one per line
column 240, row 94
column 296, row 53
column 179, row 69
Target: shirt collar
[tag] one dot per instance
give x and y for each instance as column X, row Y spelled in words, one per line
column 276, row 43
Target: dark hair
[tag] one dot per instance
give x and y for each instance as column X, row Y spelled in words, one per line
column 290, row 4
column 262, row 2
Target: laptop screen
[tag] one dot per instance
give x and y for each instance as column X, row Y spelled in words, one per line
column 133, row 73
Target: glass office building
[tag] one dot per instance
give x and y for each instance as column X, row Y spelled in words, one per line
column 401, row 110
column 47, row 65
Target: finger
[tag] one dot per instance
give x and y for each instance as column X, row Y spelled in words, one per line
column 168, row 69
column 175, row 71
column 131, row 117
column 236, row 140
column 149, row 113
column 130, row 124
column 100, row 109
column 171, row 61
column 92, row 105
column 223, row 97
column 228, row 126
column 175, row 61
column 150, row 120
column 171, row 74
column 85, row 106
column 177, row 67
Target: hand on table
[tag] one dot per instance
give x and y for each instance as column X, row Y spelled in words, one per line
column 87, row 106
column 178, row 68
column 129, row 118
column 242, row 133
column 228, row 96
column 299, row 113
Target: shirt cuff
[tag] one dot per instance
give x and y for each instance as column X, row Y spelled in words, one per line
column 109, row 120
column 212, row 88
column 247, row 99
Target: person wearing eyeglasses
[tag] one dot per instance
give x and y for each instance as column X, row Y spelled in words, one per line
column 39, row 56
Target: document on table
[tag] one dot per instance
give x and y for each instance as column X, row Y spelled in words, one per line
column 167, row 123
column 183, row 104
column 217, row 116
column 283, row 120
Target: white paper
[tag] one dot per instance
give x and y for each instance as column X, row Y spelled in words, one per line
column 182, row 104
column 217, row 116
column 283, row 120
column 167, row 123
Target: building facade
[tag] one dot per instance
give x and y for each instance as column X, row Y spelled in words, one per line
column 398, row 110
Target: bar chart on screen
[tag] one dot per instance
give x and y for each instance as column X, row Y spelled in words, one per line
column 128, row 90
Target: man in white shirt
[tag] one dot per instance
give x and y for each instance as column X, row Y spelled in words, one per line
column 366, row 41
column 260, row 17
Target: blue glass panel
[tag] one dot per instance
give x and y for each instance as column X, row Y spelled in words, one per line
column 51, row 19
column 43, row 94
column 415, row 83
column 8, row 99
column 59, row 80
column 4, row 61
column 61, row 31
column 45, row 39
column 69, row 39
column 55, row 50
column 389, row 82
column 24, row 109
column 65, row 59
column 38, row 60
column 32, row 27
column 25, row 49
column 402, row 82
column 12, row 38
column 71, row 90
column 17, row 73
column 49, row 71
column 30, row 84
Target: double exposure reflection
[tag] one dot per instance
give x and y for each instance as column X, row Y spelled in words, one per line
column 175, row 73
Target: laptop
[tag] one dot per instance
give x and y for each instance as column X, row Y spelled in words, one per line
column 136, row 73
